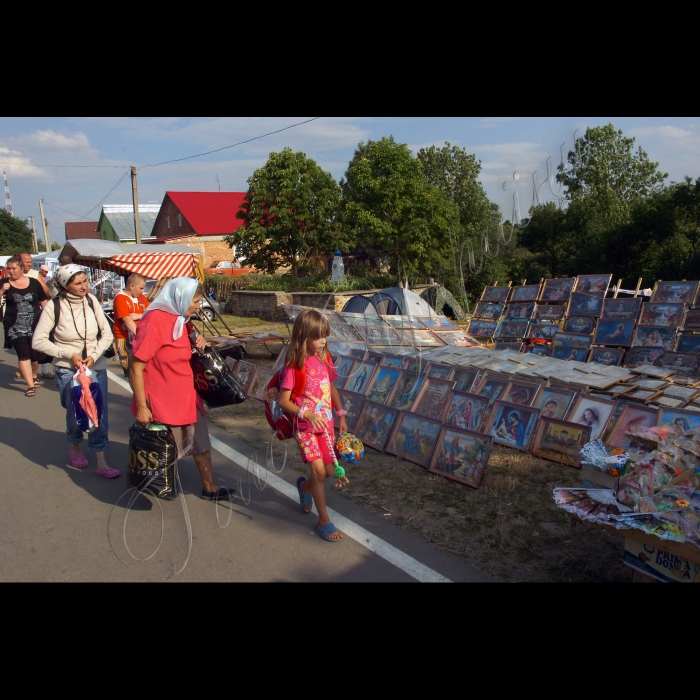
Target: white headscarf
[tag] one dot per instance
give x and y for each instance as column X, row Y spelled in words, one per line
column 175, row 298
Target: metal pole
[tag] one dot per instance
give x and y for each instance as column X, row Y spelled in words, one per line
column 135, row 196
column 45, row 225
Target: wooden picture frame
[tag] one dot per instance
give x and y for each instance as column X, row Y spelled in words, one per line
column 560, row 441
column 581, row 304
column 619, row 333
column 569, row 354
column 342, row 331
column 382, row 384
column 596, row 285
column 259, row 382
column 432, row 397
column 244, row 373
column 545, row 331
column 592, row 412
column 492, row 387
column 512, row 425
column 343, row 366
column 482, row 329
column 361, row 374
column 354, row 350
column 688, row 420
column 466, row 379
column 401, row 323
column 438, row 323
column 352, row 403
column 610, row 357
column 522, row 393
column 659, row 315
column 456, row 338
column 541, row 349
column 557, row 289
column 680, row 292
column 520, row 310
column 515, row 346
column 654, row 337
column 465, row 411
column 375, row 423
column 392, row 361
column 638, row 356
column 571, row 340
column 553, row 402
column 461, row 455
column 550, row 312
column 495, row 294
column 681, row 362
column 413, row 438
column 621, row 309
column 515, row 329
column 525, row 292
column 487, row 310
column 583, row 325
column 691, row 321
column 641, row 395
column 439, row 371
column 688, row 393
column 406, row 390
column 420, row 339
column 631, row 415
column 688, row 342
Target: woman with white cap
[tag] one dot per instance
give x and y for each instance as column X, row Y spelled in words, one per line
column 80, row 335
column 162, row 378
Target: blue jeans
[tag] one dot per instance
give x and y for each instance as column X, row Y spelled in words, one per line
column 97, row 439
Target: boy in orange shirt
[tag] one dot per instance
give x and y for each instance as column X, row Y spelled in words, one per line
column 129, row 306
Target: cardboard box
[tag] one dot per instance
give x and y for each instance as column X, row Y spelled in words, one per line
column 595, row 479
column 660, row 564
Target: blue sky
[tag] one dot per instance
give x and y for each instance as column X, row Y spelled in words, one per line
column 504, row 145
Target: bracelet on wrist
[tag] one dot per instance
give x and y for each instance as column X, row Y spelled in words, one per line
column 340, row 413
column 300, row 414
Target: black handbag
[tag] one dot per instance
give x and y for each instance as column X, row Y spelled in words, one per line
column 152, row 464
column 213, row 380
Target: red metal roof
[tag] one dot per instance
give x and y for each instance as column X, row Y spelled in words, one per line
column 81, row 229
column 209, row 212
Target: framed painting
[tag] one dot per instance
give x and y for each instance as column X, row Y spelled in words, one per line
column 593, row 412
column 581, row 304
column 374, row 356
column 486, row 310
column 657, row 384
column 413, row 438
column 438, row 323
column 492, row 388
column 662, row 315
column 621, row 309
column 466, row 379
column 650, row 337
column 432, row 397
column 392, row 361
column 360, row 375
column 353, row 404
column 386, row 335
column 691, row 322
column 403, row 322
column 541, row 350
column 482, row 329
column 687, row 420
column 675, row 292
column 553, row 402
column 244, row 373
column 557, row 289
column 415, row 364
column 688, row 393
column 542, row 330
column 439, row 371
column 569, row 354
column 420, row 339
column 525, row 292
column 550, row 312
column 497, row 294
column 382, row 384
column 560, row 441
column 512, row 425
column 520, row 310
column 512, row 328
column 407, row 388
column 465, row 411
column 342, row 331
column 343, row 366
column 571, row 340
column 683, row 362
column 614, row 333
column 461, row 455
column 687, row 342
column 636, row 357
column 597, row 285
column 374, row 424
column 355, row 350
column 579, row 324
column 258, row 385
column 522, row 393
column 505, row 345
column 610, row 357
column 637, row 394
column 456, row 338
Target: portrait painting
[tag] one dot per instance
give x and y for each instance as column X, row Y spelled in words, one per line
column 461, row 455
column 490, row 311
column 353, row 404
column 674, row 292
column 482, row 329
column 638, row 356
column 512, row 425
column 582, row 304
column 497, row 294
column 614, row 333
column 512, row 328
column 661, row 315
column 466, row 411
column 522, row 310
column 525, row 292
column 621, row 309
column 521, row 392
column 611, row 357
column 360, row 374
column 244, row 373
column 505, row 345
column 374, row 424
column 650, row 337
column 593, row 412
column 597, row 285
column 684, row 419
column 439, row 371
column 258, row 385
column 466, row 379
column 683, row 362
column 553, row 402
column 557, row 289
column 691, row 322
column 492, row 388
column 407, row 388
column 402, row 322
column 631, row 415
column 413, row 438
column 382, row 384
column 687, row 342
column 432, row 397
column 579, row 324
column 438, row 323
column 550, row 312
column 570, row 354
column 343, row 365
column 542, row 330
column 560, row 441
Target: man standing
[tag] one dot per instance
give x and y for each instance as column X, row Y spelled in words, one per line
column 129, row 306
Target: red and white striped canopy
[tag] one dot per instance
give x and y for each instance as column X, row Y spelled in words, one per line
column 153, row 265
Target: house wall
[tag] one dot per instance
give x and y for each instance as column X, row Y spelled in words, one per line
column 107, row 232
column 212, row 247
column 169, row 224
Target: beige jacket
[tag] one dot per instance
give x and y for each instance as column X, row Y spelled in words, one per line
column 67, row 341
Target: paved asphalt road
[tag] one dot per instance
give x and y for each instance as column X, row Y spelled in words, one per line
column 59, row 523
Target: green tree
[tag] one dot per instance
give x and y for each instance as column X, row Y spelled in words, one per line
column 41, row 246
column 289, row 214
column 392, row 211
column 15, row 235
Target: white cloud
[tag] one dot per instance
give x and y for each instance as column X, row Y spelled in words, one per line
column 664, row 132
column 49, row 141
column 17, row 165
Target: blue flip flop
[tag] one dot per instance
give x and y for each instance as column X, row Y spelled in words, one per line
column 304, row 498
column 327, row 530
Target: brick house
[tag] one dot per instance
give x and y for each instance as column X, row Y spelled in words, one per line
column 200, row 220
column 81, row 229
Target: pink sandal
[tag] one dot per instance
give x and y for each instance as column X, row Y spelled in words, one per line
column 108, row 473
column 79, row 462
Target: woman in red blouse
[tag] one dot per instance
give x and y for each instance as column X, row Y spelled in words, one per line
column 162, row 378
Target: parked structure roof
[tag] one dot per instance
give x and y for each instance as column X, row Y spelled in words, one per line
column 209, row 213
column 81, row 229
column 121, row 217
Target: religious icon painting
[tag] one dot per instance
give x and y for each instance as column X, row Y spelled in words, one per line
column 244, row 373
column 522, row 310
column 683, row 362
column 485, row 309
column 456, row 338
column 407, row 387
column 614, row 333
column 543, row 350
column 581, row 304
column 392, row 361
column 560, row 441
column 360, row 375
column 654, row 337
column 516, row 328
column 461, row 455
column 382, row 384
column 466, row 411
column 597, row 285
column 497, row 294
column 632, row 415
column 482, row 329
column 691, row 322
column 466, row 379
column 258, row 386
column 638, row 356
column 662, row 315
column 355, row 350
column 621, row 309
column 579, row 324
column 373, row 356
column 435, row 369
column 526, row 292
column 432, row 397
column 593, row 412
column 438, row 323
column 353, row 404
column 683, row 418
column 611, row 357
column 374, row 424
column 512, row 425
column 557, row 289
column 687, row 342
column 674, row 292
column 413, row 438
column 420, row 339
column 401, row 322
column 522, row 393
column 571, row 340
column 343, row 365
column 570, row 354
column 553, row 402
column 505, row 345
column 550, row 312
column 492, row 388
column 542, row 330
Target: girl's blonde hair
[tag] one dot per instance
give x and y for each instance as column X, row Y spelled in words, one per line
column 309, row 325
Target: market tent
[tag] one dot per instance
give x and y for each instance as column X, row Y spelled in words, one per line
column 153, row 261
column 392, row 301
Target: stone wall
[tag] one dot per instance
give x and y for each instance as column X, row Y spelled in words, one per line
column 328, row 300
column 263, row 305
column 213, row 248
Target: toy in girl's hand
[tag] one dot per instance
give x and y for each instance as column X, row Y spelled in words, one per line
column 350, row 448
column 340, row 473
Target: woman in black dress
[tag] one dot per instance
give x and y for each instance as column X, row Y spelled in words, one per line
column 24, row 300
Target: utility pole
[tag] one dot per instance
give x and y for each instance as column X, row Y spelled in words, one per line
column 45, row 225
column 218, row 183
column 135, row 196
column 36, row 247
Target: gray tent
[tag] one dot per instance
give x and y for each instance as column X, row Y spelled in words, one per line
column 392, row 301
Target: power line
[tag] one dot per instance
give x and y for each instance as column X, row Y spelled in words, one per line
column 107, row 195
column 223, row 148
column 53, row 206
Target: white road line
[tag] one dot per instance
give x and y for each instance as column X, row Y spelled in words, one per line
column 375, row 544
